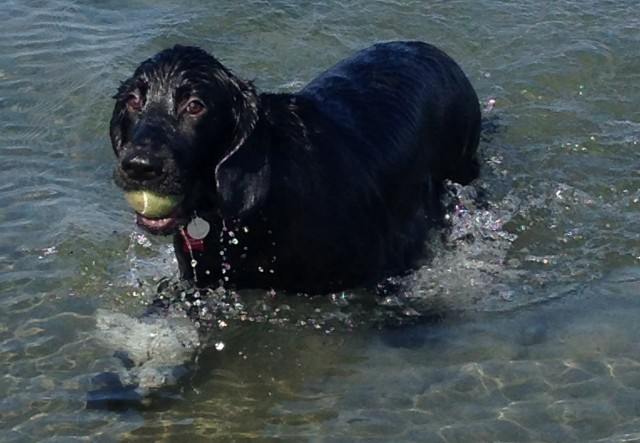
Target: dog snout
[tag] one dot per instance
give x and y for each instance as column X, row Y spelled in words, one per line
column 139, row 166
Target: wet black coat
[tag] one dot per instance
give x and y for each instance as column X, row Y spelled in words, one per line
column 332, row 187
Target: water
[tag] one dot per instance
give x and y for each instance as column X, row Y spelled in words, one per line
column 535, row 337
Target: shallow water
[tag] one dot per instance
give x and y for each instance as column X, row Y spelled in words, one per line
column 536, row 296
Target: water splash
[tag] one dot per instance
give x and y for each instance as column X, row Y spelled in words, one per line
column 474, row 246
column 147, row 262
column 476, row 263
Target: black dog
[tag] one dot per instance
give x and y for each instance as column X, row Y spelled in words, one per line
column 333, row 187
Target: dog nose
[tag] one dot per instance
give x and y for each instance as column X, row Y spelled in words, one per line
column 142, row 167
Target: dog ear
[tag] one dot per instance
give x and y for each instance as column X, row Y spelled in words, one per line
column 243, row 179
column 116, row 129
column 119, row 125
column 243, row 174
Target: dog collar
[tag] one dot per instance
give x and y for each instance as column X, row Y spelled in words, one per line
column 191, row 244
column 194, row 235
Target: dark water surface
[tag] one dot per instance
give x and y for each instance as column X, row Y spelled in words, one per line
column 537, row 296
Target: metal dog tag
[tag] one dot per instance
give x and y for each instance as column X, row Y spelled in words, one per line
column 198, row 228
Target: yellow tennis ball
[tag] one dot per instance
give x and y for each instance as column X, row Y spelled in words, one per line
column 152, row 205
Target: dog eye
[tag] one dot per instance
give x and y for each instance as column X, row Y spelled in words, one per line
column 194, row 107
column 134, row 103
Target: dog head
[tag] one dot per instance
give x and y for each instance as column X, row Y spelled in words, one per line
column 179, row 129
